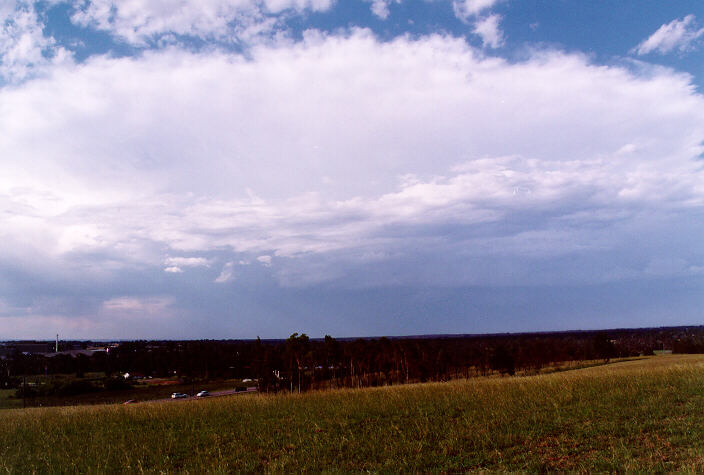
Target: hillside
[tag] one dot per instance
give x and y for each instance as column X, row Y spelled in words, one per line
column 645, row 414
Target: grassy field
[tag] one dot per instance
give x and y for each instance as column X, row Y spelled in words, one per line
column 7, row 399
column 646, row 414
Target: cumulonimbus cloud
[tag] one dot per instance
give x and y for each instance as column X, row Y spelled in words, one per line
column 123, row 163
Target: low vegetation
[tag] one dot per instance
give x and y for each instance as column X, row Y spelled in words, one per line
column 646, row 414
column 67, row 390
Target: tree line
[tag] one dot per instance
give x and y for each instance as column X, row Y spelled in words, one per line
column 300, row 363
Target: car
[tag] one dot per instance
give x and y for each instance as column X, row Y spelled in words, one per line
column 178, row 395
column 203, row 394
column 129, row 401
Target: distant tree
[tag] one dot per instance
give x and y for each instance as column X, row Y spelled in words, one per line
column 603, row 347
column 297, row 346
column 332, row 356
column 503, row 361
column 81, row 364
column 6, row 381
column 116, row 384
column 262, row 365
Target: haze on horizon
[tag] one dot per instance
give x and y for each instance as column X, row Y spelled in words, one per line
column 243, row 168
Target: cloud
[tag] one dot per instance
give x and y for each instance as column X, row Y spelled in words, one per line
column 265, row 260
column 151, row 305
column 23, row 45
column 140, row 21
column 465, row 9
column 488, row 30
column 176, row 264
column 380, row 8
column 486, row 27
column 678, row 35
column 418, row 161
column 226, row 274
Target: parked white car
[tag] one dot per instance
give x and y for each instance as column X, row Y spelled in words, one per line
column 203, row 394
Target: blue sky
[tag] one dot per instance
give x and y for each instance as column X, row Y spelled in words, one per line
column 235, row 168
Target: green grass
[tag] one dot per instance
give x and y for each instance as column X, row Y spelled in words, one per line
column 644, row 415
column 7, row 399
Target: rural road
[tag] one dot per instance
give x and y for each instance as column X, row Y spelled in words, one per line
column 229, row 392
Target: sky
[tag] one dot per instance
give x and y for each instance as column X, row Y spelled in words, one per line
column 194, row 169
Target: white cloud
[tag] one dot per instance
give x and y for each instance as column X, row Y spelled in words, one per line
column 265, row 260
column 464, row 9
column 488, row 30
column 131, row 163
column 486, row 27
column 226, row 274
column 678, row 35
column 137, row 21
column 23, row 45
column 380, row 8
column 132, row 305
column 187, row 261
column 176, row 264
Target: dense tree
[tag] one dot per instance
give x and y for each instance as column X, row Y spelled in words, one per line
column 303, row 363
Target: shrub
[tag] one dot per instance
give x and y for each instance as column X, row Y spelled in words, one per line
column 73, row 388
column 116, row 384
